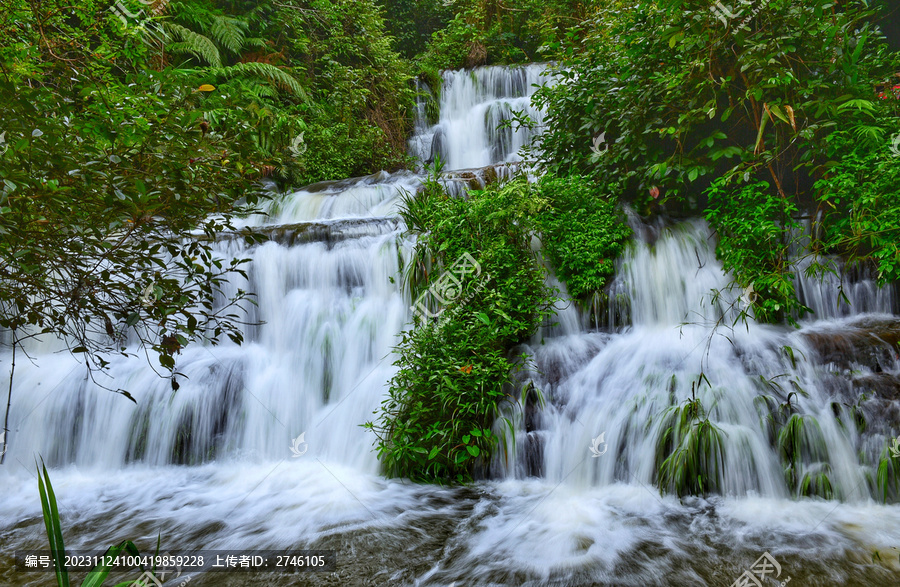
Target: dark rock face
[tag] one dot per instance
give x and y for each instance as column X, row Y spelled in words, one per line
column 437, row 146
column 868, row 342
column 864, row 360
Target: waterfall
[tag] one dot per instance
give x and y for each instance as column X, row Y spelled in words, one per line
column 689, row 336
column 327, row 313
column 473, row 104
column 261, row 446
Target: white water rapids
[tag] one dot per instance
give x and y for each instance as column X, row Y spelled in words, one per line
column 211, row 466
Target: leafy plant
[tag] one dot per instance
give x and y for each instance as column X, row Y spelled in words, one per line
column 96, row 576
column 482, row 32
column 756, row 229
column 454, row 369
column 888, row 476
column 859, row 214
column 690, row 452
column 802, row 449
column 582, row 232
column 733, row 120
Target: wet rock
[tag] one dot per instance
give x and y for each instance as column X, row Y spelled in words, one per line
column 869, row 342
column 437, row 146
column 327, row 232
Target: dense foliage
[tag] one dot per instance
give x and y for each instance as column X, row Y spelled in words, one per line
column 360, row 102
column 486, row 32
column 454, row 366
column 126, row 131
column 107, row 169
column 343, row 86
column 583, row 233
column 740, row 118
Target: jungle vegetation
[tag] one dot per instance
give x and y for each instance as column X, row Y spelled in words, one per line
column 130, row 128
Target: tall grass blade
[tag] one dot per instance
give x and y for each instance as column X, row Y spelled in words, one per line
column 54, row 529
column 99, row 573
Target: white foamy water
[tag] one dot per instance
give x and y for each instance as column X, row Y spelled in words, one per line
column 473, row 105
column 216, row 465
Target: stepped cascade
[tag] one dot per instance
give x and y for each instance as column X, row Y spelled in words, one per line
column 214, row 465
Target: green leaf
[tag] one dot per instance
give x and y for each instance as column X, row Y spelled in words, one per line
column 675, row 38
column 53, row 526
column 762, row 128
column 778, row 113
column 167, row 361
column 99, row 573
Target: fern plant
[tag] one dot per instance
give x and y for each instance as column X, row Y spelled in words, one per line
column 690, row 452
column 212, row 40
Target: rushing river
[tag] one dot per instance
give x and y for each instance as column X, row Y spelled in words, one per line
column 218, row 465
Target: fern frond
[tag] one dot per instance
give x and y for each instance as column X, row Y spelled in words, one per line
column 866, row 132
column 271, row 73
column 194, row 43
column 229, row 32
column 254, row 42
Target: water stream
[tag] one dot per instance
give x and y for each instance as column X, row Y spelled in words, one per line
column 215, row 464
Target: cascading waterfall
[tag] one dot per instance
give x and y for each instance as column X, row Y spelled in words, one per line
column 327, row 315
column 473, row 105
column 215, row 464
column 687, row 322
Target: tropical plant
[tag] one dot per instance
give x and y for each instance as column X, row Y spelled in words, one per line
column 802, row 449
column 454, row 365
column 690, row 453
column 732, row 118
column 482, row 32
column 582, row 233
column 113, row 188
column 96, row 576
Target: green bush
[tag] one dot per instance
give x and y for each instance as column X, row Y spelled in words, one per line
column 583, row 232
column 860, row 211
column 755, row 228
column 690, row 452
column 455, row 368
column 488, row 32
column 685, row 107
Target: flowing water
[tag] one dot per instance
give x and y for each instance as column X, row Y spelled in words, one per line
column 218, row 464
